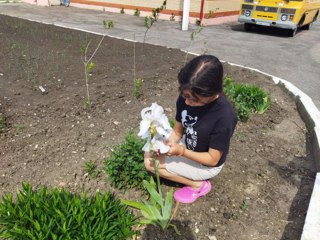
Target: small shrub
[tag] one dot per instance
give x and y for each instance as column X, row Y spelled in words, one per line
column 136, row 13
column 108, row 24
column 172, row 17
column 138, row 87
column 246, row 98
column 58, row 214
column 125, row 166
column 122, row 11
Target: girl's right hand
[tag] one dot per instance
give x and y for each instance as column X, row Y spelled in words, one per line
column 176, row 149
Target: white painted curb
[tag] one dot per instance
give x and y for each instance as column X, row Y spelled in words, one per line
column 311, row 116
column 311, row 229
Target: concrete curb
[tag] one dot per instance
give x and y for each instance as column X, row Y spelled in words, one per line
column 310, row 115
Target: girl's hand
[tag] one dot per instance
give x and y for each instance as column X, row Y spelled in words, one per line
column 176, row 149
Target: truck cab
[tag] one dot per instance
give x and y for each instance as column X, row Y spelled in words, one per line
column 289, row 15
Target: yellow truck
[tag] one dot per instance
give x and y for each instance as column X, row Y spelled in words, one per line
column 289, row 14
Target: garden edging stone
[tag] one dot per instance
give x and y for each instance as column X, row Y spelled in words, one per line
column 311, row 117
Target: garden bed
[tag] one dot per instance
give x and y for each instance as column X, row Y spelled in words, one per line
column 263, row 191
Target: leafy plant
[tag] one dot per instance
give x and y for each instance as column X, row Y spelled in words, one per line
column 88, row 66
column 172, row 17
column 58, row 214
column 156, row 211
column 138, row 87
column 19, row 127
column 2, row 123
column 211, row 13
column 108, row 24
column 125, row 166
column 122, row 11
column 136, row 13
column 91, row 168
column 244, row 206
column 246, row 98
column 192, row 36
column 150, row 20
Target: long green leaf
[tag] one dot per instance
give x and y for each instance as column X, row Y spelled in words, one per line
column 153, row 192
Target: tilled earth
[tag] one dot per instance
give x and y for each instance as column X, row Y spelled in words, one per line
column 263, row 191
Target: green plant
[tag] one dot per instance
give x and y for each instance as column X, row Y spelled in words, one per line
column 172, row 17
column 211, row 13
column 125, row 165
column 246, row 98
column 58, row 214
column 138, row 87
column 156, row 211
column 108, row 24
column 172, row 121
column 244, row 205
column 19, row 127
column 122, row 11
column 192, row 36
column 150, row 20
column 91, row 168
column 88, row 66
column 2, row 123
column 136, row 13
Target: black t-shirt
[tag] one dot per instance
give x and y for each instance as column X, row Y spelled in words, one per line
column 208, row 126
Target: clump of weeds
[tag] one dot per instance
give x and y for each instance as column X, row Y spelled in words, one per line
column 136, row 13
column 108, row 24
column 90, row 168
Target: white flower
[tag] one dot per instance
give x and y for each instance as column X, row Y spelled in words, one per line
column 154, row 127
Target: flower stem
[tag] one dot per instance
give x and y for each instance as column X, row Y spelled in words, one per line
column 156, row 166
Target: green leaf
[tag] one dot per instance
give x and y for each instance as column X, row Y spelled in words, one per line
column 153, row 192
column 135, row 204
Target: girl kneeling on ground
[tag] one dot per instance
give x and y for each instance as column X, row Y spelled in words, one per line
column 204, row 124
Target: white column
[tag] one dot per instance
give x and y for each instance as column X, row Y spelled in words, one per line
column 185, row 16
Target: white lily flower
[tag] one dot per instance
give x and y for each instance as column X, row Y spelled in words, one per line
column 154, row 127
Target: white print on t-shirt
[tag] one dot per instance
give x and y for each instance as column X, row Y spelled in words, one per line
column 191, row 135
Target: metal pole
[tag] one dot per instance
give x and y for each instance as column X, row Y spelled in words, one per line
column 201, row 10
column 185, row 17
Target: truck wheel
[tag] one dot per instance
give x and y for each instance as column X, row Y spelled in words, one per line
column 292, row 32
column 247, row 27
column 308, row 26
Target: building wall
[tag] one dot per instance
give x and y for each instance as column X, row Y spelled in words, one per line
column 211, row 9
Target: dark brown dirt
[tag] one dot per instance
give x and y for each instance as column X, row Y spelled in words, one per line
column 263, row 191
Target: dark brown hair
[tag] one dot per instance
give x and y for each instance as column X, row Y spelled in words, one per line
column 203, row 76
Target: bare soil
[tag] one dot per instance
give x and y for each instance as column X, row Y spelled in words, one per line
column 263, row 191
